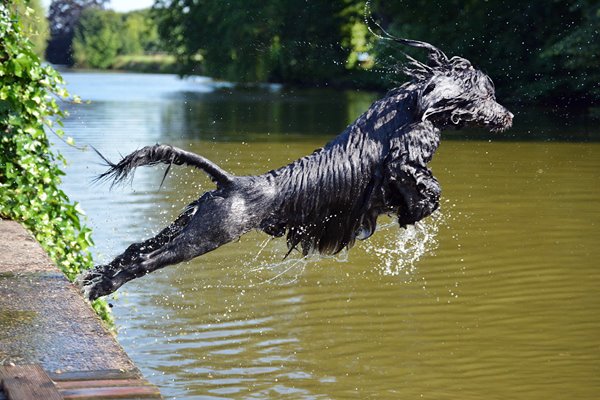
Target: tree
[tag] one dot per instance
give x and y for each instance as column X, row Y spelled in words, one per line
column 310, row 42
column 63, row 18
column 578, row 53
column 97, row 39
column 102, row 35
column 255, row 40
column 536, row 51
column 139, row 33
column 134, row 30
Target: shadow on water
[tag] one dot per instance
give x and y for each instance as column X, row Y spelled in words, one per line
column 494, row 297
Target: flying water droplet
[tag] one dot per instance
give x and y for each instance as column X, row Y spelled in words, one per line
column 405, row 247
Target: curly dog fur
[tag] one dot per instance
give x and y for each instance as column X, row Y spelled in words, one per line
column 325, row 201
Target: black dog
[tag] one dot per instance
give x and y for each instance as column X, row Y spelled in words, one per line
column 326, row 200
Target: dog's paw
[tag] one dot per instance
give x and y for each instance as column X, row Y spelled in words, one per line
column 92, row 284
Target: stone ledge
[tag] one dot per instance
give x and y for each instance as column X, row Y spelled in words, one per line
column 43, row 318
column 20, row 252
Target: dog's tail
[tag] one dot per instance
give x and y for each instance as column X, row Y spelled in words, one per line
column 152, row 155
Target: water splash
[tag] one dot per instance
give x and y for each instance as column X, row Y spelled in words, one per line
column 270, row 264
column 405, row 247
column 285, row 271
column 392, row 251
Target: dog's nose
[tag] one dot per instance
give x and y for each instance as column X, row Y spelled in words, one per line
column 508, row 119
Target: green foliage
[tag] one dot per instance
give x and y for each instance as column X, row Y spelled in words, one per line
column 29, row 170
column 63, row 17
column 35, row 24
column 240, row 40
column 527, row 47
column 577, row 52
column 536, row 51
column 97, row 38
column 139, row 34
column 101, row 36
column 149, row 63
column 133, row 31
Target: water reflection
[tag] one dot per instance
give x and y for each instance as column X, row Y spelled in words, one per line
column 501, row 301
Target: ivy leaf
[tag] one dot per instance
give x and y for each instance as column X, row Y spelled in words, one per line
column 29, row 168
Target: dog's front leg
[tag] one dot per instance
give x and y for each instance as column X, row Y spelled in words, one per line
column 409, row 186
column 412, row 187
column 416, row 192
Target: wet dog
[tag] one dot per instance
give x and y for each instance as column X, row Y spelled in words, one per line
column 325, row 201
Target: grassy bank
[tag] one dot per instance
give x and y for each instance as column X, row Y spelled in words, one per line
column 148, row 63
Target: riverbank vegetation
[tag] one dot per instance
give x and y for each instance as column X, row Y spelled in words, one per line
column 536, row 51
column 30, row 169
column 35, row 24
column 106, row 39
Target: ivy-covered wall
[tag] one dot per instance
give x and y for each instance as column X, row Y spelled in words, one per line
column 30, row 169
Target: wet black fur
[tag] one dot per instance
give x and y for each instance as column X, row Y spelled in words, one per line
column 325, row 201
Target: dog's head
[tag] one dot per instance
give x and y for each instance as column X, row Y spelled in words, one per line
column 451, row 93
column 454, row 94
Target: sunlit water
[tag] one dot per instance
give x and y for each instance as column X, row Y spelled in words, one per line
column 497, row 296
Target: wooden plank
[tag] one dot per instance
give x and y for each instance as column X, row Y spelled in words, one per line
column 93, row 375
column 100, row 383
column 106, row 384
column 27, row 382
column 129, row 392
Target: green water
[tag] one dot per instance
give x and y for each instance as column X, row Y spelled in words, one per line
column 495, row 297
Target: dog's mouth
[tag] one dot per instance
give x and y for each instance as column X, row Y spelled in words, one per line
column 494, row 118
column 491, row 116
column 498, row 128
column 493, row 126
column 501, row 124
column 498, row 123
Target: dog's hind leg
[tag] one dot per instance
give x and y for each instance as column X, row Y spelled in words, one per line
column 207, row 224
column 96, row 281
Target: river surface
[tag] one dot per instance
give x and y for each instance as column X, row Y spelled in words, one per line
column 497, row 296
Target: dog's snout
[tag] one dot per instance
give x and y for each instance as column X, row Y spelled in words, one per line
column 499, row 117
column 508, row 119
